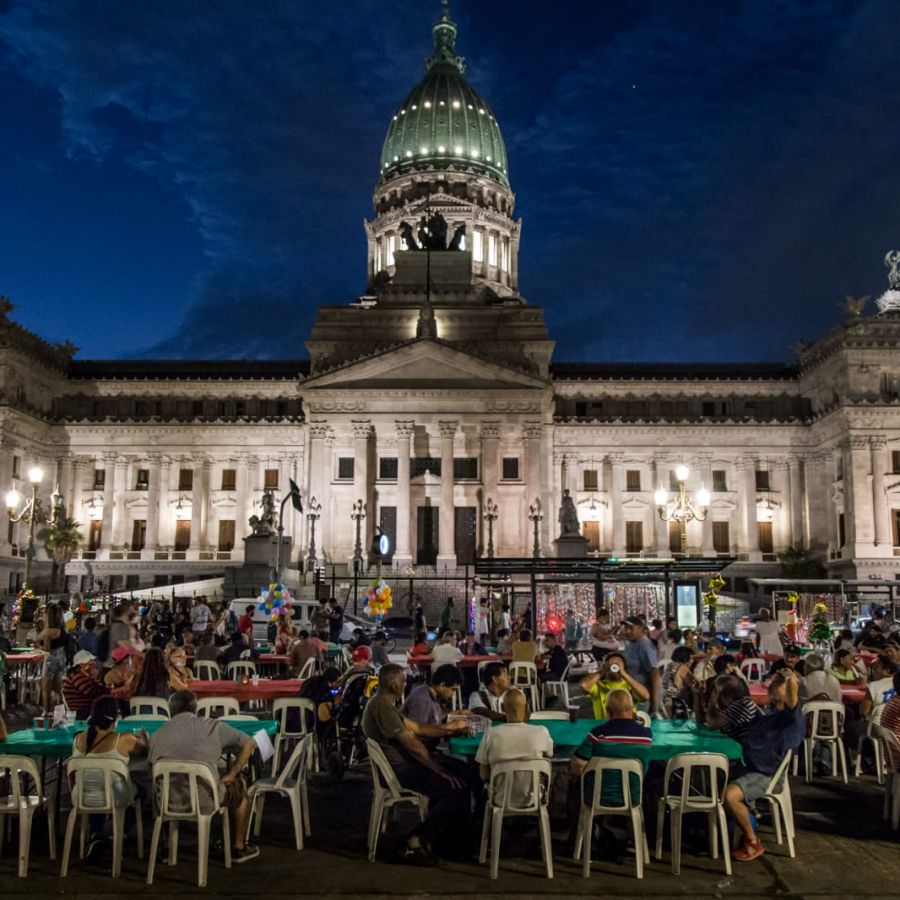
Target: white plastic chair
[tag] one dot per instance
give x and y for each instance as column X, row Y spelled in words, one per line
column 509, row 796
column 891, row 747
column 779, row 799
column 871, row 735
column 644, row 718
column 825, row 723
column 480, row 667
column 524, row 675
column 240, row 668
column 154, row 706
column 753, row 670
column 22, row 804
column 207, row 670
column 290, row 783
column 108, row 769
column 310, row 667
column 146, row 717
column 601, row 768
column 549, row 715
column 306, row 713
column 558, row 688
column 456, row 698
column 702, row 794
column 197, row 774
column 217, row 707
column 386, row 794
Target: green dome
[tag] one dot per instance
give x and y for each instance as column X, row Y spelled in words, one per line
column 444, row 122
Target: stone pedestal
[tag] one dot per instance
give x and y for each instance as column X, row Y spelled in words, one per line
column 571, row 546
column 260, row 551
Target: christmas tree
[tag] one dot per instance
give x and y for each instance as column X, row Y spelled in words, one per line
column 820, row 630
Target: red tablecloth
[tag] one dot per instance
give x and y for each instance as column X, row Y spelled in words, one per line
column 274, row 658
column 849, row 693
column 21, row 659
column 267, row 689
column 465, row 662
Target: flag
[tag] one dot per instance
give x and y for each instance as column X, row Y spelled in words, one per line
column 296, row 500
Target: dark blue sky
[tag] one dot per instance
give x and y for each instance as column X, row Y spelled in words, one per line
column 701, row 180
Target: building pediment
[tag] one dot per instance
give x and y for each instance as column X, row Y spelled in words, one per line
column 424, row 364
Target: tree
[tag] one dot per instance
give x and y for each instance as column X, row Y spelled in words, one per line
column 61, row 538
column 820, row 629
column 800, row 564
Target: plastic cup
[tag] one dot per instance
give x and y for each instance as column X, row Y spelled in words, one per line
column 573, row 714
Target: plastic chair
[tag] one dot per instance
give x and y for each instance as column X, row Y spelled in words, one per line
column 644, row 718
column 779, row 799
column 23, row 804
column 290, row 783
column 309, row 668
column 753, row 670
column 224, row 706
column 207, row 670
column 549, row 715
column 109, row 769
column 600, row 767
column 146, row 717
column 154, row 706
column 524, row 675
column 480, row 667
column 197, row 774
column 871, row 734
column 456, row 699
column 387, row 794
column 825, row 723
column 704, row 796
column 508, row 796
column 240, row 668
column 286, row 735
column 557, row 688
column 891, row 747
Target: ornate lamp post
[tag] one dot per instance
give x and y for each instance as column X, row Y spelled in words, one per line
column 682, row 510
column 490, row 516
column 313, row 514
column 358, row 513
column 536, row 514
column 13, row 499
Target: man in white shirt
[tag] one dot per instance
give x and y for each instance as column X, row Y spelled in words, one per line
column 487, row 701
column 817, row 682
column 445, row 652
column 199, row 618
column 514, row 740
column 880, row 688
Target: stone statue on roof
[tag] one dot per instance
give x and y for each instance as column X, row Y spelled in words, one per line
column 892, row 261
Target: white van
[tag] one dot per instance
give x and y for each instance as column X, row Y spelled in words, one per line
column 301, row 615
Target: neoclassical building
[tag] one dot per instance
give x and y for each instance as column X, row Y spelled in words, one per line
column 437, row 391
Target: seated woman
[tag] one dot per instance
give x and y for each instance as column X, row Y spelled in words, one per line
column 285, row 637
column 845, row 670
column 677, row 684
column 525, row 649
column 153, row 680
column 178, row 673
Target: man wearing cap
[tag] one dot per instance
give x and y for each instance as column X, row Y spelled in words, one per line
column 120, row 673
column 792, row 660
column 82, row 685
column 640, row 658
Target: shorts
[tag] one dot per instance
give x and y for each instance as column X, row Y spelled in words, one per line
column 234, row 793
column 54, row 663
column 753, row 784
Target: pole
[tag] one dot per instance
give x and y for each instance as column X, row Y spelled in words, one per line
column 279, row 569
column 683, row 519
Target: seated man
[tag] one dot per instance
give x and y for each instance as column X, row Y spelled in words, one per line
column 706, row 668
column 379, row 650
column 445, row 651
column 612, row 676
column 424, row 702
column 206, row 649
column 791, row 660
column 415, row 767
column 515, row 739
column 83, row 685
column 305, row 648
column 556, row 660
column 469, row 646
column 525, row 649
column 487, row 701
column 880, row 688
column 765, row 739
column 236, row 649
column 817, row 684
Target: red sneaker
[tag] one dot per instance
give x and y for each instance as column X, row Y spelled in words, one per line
column 748, row 851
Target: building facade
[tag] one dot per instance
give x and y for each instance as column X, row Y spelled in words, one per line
column 436, row 392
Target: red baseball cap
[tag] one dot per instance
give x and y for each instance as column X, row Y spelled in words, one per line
column 361, row 654
column 121, row 653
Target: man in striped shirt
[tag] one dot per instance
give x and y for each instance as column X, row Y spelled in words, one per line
column 82, row 686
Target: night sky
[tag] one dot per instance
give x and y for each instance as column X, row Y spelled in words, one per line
column 698, row 180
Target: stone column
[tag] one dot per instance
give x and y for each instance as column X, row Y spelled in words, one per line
column 241, row 516
column 153, row 460
column 616, row 502
column 403, row 554
column 795, row 482
column 883, row 537
column 362, row 482
column 164, row 534
column 197, row 464
column 532, row 432
column 819, row 510
column 747, row 499
column 659, row 473
column 120, row 513
column 205, row 476
column 490, row 448
column 106, row 536
column 784, row 535
column 67, row 485
column 858, row 510
column 80, row 494
column 706, row 526
column 447, row 550
column 318, row 478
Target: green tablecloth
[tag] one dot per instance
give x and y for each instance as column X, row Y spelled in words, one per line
column 58, row 741
column 670, row 737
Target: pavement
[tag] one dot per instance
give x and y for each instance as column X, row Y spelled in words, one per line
column 844, row 849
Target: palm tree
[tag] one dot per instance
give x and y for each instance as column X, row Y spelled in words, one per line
column 61, row 538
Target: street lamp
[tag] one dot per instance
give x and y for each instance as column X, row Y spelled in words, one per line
column 490, row 516
column 535, row 514
column 13, row 499
column 358, row 513
column 313, row 514
column 681, row 509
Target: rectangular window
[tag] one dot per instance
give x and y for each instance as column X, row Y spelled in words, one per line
column 632, row 479
column 720, row 481
column 182, row 535
column 346, row 468
column 762, row 479
column 721, row 537
column 477, row 246
column 590, row 479
column 378, row 256
column 510, row 468
column 504, row 255
column 197, row 408
column 226, row 534
column 99, row 479
column 634, row 537
column 140, row 407
column 16, row 463
column 229, row 479
column 764, row 530
column 492, row 249
column 842, row 530
column 138, row 534
column 185, row 479
column 674, row 537
column 419, row 465
column 391, row 247
column 674, row 484
column 96, row 534
column 581, row 408
column 895, row 462
column 465, row 469
column 591, row 531
column 143, row 480
column 240, row 407
column 895, row 515
column 270, row 479
column 387, row 468
column 709, row 408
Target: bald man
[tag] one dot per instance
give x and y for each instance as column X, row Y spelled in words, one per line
column 513, row 739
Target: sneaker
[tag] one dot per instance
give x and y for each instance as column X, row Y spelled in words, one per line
column 748, row 851
column 242, row 854
column 417, row 856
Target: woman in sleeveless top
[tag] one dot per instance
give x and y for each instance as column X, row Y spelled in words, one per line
column 53, row 641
